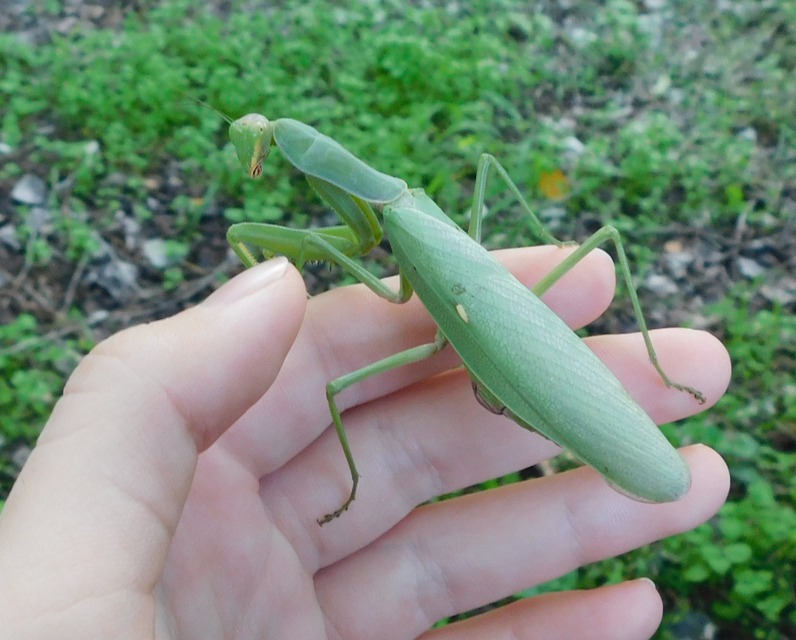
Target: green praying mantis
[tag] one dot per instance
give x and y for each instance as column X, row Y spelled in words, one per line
column 523, row 360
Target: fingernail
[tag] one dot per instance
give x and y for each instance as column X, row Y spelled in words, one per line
column 249, row 282
column 646, row 580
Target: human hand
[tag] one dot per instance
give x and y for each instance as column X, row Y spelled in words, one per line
column 175, row 490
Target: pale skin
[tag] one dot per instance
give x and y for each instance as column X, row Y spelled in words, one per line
column 175, row 490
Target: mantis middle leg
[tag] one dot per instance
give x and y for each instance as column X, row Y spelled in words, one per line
column 336, row 386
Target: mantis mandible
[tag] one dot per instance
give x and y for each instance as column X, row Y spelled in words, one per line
column 523, row 360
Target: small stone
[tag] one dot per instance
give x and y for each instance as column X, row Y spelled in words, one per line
column 92, row 12
column 162, row 254
column 97, row 317
column 29, row 189
column 678, row 262
column 119, row 278
column 155, row 253
column 8, row 237
column 132, row 231
column 662, row 85
column 749, row 134
column 573, row 145
column 661, row 285
column 750, row 268
column 65, row 26
column 39, row 218
column 20, row 456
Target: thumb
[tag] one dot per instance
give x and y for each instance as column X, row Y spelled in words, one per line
column 96, row 504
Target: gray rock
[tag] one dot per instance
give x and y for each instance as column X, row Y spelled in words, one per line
column 29, row 189
column 162, row 254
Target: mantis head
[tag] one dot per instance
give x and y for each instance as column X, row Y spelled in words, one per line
column 252, row 136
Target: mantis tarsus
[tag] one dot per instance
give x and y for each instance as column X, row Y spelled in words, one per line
column 523, row 360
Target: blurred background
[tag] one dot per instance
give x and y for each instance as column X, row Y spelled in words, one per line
column 673, row 120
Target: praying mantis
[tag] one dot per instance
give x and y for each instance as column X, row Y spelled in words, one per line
column 523, row 360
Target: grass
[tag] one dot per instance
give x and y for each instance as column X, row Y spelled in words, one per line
column 671, row 119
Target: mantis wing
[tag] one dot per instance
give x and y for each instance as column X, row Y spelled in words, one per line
column 527, row 362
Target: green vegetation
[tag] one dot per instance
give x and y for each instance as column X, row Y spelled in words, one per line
column 672, row 119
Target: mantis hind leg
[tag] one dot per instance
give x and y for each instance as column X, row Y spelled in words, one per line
column 607, row 233
column 336, row 386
